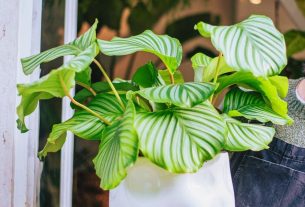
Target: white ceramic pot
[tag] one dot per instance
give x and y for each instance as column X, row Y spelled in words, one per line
column 147, row 185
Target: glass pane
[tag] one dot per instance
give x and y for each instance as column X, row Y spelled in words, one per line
column 50, row 110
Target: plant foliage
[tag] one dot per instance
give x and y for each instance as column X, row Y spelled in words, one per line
column 171, row 122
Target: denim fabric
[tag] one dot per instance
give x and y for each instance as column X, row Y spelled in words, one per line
column 270, row 178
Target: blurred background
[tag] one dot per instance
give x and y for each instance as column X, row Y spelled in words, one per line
column 124, row 18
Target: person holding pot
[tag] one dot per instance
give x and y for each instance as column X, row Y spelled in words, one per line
column 275, row 177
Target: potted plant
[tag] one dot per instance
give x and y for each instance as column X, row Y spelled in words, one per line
column 171, row 123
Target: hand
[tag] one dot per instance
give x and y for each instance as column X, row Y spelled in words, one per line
column 301, row 89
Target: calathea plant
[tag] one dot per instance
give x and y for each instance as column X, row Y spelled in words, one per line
column 171, row 122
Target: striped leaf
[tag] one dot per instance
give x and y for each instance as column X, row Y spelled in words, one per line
column 83, row 124
column 168, row 49
column 242, row 136
column 205, row 67
column 117, row 151
column 49, row 86
column 29, row 64
column 181, row 139
column 184, row 95
column 200, row 62
column 251, row 105
column 259, row 84
column 253, row 45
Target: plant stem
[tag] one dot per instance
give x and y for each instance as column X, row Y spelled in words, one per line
column 86, row 87
column 216, row 74
column 171, row 75
column 109, row 82
column 79, row 104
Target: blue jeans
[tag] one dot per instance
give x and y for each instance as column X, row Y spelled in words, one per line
column 270, row 178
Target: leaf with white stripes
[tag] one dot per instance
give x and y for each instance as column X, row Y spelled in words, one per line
column 200, row 62
column 251, row 105
column 118, row 150
column 83, row 60
column 168, row 49
column 259, row 84
column 205, row 67
column 253, row 45
column 181, row 139
column 49, row 86
column 29, row 64
column 184, row 95
column 83, row 124
column 243, row 136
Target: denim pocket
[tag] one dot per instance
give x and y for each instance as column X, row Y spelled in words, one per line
column 260, row 183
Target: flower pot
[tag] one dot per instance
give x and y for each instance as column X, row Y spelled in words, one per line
column 148, row 185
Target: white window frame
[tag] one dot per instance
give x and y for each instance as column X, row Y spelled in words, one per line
column 20, row 168
column 67, row 152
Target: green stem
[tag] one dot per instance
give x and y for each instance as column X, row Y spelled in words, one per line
column 66, row 91
column 172, row 78
column 216, row 74
column 110, row 83
column 86, row 87
column 171, row 75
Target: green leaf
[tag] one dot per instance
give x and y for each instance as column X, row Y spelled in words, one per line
column 146, row 76
column 260, row 84
column 50, row 86
column 117, row 151
column 168, row 49
column 83, row 60
column 181, row 139
column 54, row 146
column 164, row 77
column 242, row 136
column 253, row 45
column 200, row 62
column 84, row 77
column 251, row 105
column 83, row 124
column 295, row 41
column 281, row 83
column 103, row 87
column 87, row 39
column 184, row 95
column 205, row 67
column 45, row 88
column 29, row 64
